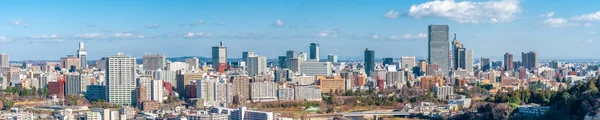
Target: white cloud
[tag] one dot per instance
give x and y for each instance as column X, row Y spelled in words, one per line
column 375, row 37
column 44, row 36
column 48, row 41
column 548, row 15
column 90, row 36
column 127, row 35
column 19, row 23
column 152, row 26
column 391, row 14
column 197, row 35
column 468, row 11
column 278, row 23
column 197, row 23
column 4, row 40
column 409, row 37
column 589, row 40
column 592, row 32
column 588, row 17
column 327, row 34
column 557, row 22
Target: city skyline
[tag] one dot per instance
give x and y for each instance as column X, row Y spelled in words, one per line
column 394, row 29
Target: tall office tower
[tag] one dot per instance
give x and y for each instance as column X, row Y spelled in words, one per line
column 282, row 62
column 295, row 64
column 154, row 62
column 438, row 47
column 369, row 61
column 3, row 62
column 387, row 61
column 70, row 61
column 508, row 62
column 240, row 86
column 156, row 91
column 469, row 61
column 289, row 55
column 219, row 57
column 247, row 54
column 194, row 62
column 530, row 60
column 332, row 58
column 73, row 85
column 486, row 64
column 120, row 79
column 82, row 55
column 257, row 65
column 458, row 55
column 302, row 56
column 408, row 62
column 314, row 51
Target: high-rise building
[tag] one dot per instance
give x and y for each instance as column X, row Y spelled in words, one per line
column 3, row 62
column 408, row 62
column 469, row 61
column 73, row 85
column 387, row 61
column 486, row 64
column 423, row 65
column 120, row 79
column 458, row 55
column 219, row 57
column 530, row 60
column 154, row 62
column 438, row 47
column 194, row 62
column 69, row 62
column 442, row 92
column 312, row 68
column 369, row 61
column 82, row 55
column 314, row 51
column 185, row 79
column 240, row 86
column 332, row 58
column 247, row 54
column 101, row 64
column 508, row 62
column 156, row 91
column 257, row 65
column 283, row 62
column 302, row 56
column 290, row 54
column 263, row 91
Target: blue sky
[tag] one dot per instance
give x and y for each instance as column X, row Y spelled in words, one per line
column 48, row 30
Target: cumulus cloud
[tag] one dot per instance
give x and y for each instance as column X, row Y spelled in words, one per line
column 375, row 37
column 588, row 17
column 278, row 23
column 90, row 36
column 4, row 40
column 44, row 36
column 152, row 26
column 197, row 35
column 127, row 35
column 391, row 14
column 19, row 23
column 197, row 23
column 557, row 22
column 468, row 11
column 327, row 34
column 409, row 37
column 548, row 15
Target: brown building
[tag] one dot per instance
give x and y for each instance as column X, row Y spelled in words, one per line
column 149, row 106
column 508, row 62
column 428, row 82
column 70, row 60
column 460, row 83
column 331, row 84
column 140, row 96
column 185, row 79
column 241, row 86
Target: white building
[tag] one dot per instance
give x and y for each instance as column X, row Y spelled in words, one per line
column 307, row 92
column 82, row 55
column 302, row 80
column 285, row 93
column 174, row 66
column 242, row 113
column 263, row 91
column 312, row 68
column 120, row 79
column 166, row 75
column 257, row 65
column 156, row 91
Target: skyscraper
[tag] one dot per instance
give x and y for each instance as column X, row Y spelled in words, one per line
column 530, row 60
column 314, row 51
column 194, row 62
column 120, row 79
column 154, row 62
column 369, row 61
column 70, row 61
column 3, row 62
column 290, row 54
column 469, row 61
column 302, row 56
column 82, row 55
column 332, row 58
column 257, row 65
column 247, row 54
column 219, row 57
column 508, row 62
column 486, row 64
column 458, row 55
column 438, row 47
